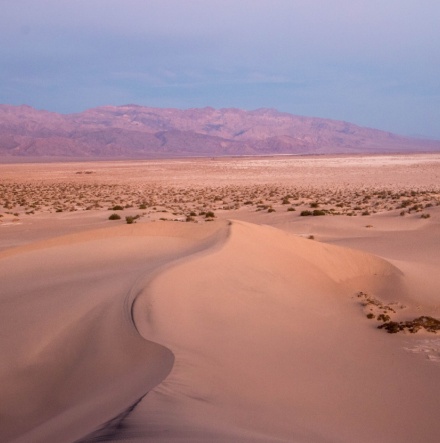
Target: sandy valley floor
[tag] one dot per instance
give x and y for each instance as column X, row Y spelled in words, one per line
column 233, row 300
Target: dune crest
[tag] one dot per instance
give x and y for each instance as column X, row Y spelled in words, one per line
column 72, row 358
column 271, row 345
column 235, row 331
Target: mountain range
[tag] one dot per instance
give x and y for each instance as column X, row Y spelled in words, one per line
column 133, row 131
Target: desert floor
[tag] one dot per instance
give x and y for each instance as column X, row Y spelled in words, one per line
column 230, row 299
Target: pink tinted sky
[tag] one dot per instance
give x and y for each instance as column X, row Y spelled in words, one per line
column 371, row 62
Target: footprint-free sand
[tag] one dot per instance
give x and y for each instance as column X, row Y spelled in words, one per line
column 241, row 305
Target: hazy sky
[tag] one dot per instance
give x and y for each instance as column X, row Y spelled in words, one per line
column 371, row 62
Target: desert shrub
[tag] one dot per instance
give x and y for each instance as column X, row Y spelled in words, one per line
column 305, row 213
column 117, row 208
column 131, row 219
column 143, row 206
column 115, row 217
column 370, row 315
column 209, row 214
column 430, row 324
column 425, row 215
column 271, row 210
column 314, row 205
column 291, row 209
column 318, row 212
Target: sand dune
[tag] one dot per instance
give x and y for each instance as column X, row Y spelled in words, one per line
column 224, row 330
column 274, row 348
column 260, row 331
column 71, row 356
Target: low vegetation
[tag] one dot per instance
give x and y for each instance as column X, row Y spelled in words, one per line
column 376, row 309
column 202, row 203
column 427, row 323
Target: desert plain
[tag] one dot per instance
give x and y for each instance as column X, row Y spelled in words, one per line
column 221, row 299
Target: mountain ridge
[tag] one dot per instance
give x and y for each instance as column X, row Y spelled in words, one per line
column 135, row 131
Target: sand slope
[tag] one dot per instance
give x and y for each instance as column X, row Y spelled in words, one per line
column 72, row 358
column 238, row 332
column 271, row 346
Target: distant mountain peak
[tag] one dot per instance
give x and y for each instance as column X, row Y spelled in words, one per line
column 134, row 131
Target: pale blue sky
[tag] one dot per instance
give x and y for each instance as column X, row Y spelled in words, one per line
column 371, row 62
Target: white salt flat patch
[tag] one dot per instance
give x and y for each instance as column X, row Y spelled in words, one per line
column 429, row 347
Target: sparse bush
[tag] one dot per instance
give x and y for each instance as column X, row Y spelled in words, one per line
column 430, row 324
column 425, row 215
column 117, row 208
column 318, row 212
column 314, row 205
column 131, row 219
column 209, row 214
column 305, row 213
column 291, row 209
column 115, row 217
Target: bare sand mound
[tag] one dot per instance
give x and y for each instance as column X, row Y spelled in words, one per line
column 71, row 357
column 260, row 331
column 270, row 344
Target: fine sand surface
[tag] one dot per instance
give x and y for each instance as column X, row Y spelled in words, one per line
column 249, row 327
